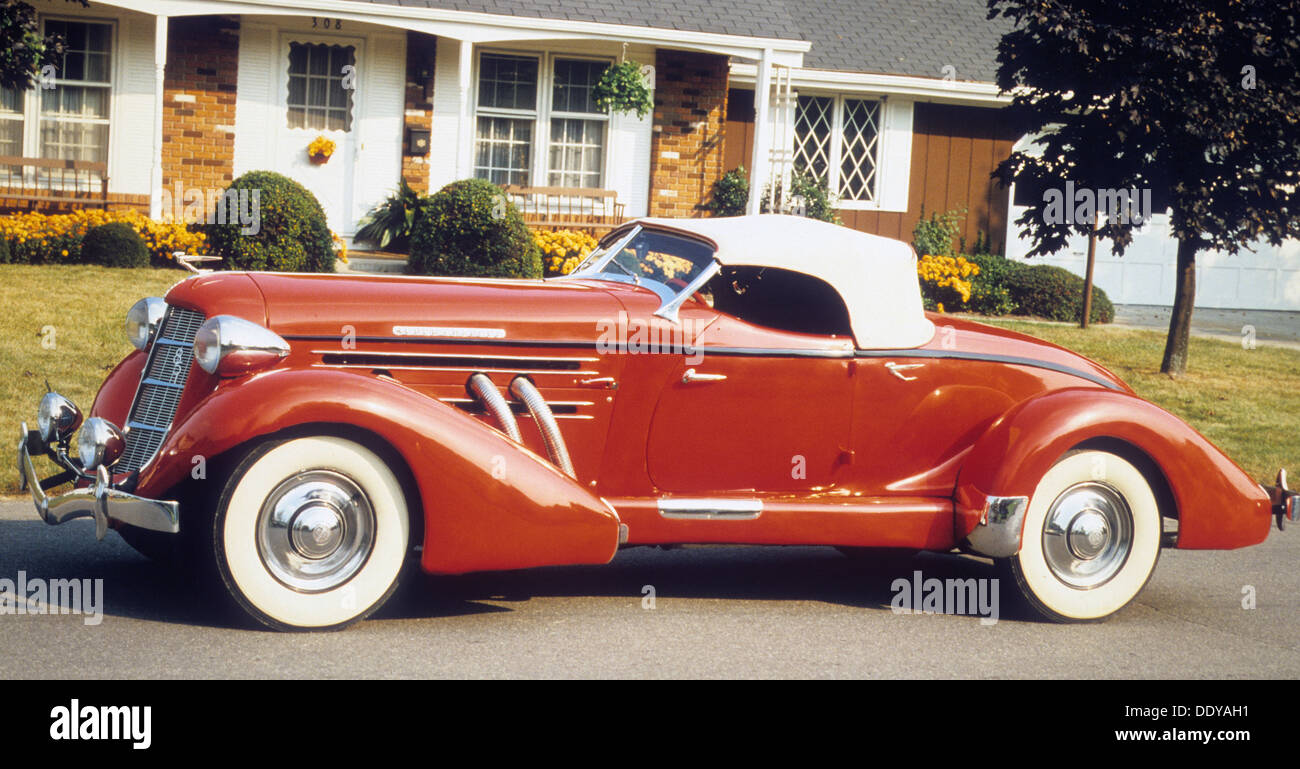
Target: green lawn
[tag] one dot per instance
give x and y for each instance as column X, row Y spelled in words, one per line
column 1246, row 401
column 85, row 308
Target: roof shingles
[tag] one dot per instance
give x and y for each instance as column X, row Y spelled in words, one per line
column 893, row 37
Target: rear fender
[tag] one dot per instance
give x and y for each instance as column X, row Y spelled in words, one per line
column 488, row 502
column 1218, row 505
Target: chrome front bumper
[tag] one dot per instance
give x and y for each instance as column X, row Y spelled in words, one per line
column 100, row 502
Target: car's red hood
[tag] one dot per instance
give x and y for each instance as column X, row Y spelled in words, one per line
column 388, row 306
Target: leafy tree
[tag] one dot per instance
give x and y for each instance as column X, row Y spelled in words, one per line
column 1195, row 100
column 23, row 50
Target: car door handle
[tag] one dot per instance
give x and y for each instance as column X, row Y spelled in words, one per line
column 691, row 376
column 897, row 368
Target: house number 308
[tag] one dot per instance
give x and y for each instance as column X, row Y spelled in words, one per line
column 320, row 22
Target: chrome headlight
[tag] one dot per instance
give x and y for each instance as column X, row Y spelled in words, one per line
column 228, row 345
column 57, row 418
column 100, row 443
column 142, row 320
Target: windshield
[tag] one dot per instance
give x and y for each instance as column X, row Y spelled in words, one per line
column 662, row 262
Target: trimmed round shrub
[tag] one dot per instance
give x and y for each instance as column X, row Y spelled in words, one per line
column 288, row 234
column 471, row 229
column 1055, row 293
column 989, row 293
column 115, row 244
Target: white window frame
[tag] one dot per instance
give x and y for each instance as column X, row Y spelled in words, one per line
column 836, row 150
column 32, row 97
column 19, row 117
column 539, row 171
column 352, row 110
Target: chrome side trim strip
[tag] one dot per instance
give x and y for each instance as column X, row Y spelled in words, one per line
column 987, row 357
column 549, row 403
column 759, row 352
column 457, row 369
column 711, row 509
column 565, row 359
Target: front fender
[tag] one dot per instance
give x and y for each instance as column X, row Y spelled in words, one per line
column 1219, row 506
column 488, row 502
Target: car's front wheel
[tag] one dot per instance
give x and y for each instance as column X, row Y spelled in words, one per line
column 311, row 533
column 1091, row 538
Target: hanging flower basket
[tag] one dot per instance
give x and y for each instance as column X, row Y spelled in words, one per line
column 320, row 150
column 622, row 88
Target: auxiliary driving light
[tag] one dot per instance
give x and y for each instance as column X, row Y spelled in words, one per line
column 101, row 443
column 57, row 419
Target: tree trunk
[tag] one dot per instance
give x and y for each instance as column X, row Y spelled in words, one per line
column 1087, row 277
column 1180, row 320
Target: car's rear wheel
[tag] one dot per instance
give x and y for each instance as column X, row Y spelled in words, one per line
column 1091, row 538
column 311, row 533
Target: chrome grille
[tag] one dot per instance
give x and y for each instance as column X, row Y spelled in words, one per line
column 165, row 373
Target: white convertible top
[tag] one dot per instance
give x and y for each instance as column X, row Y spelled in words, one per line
column 875, row 276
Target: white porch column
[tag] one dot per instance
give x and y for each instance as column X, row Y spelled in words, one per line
column 159, row 70
column 465, row 134
column 758, row 166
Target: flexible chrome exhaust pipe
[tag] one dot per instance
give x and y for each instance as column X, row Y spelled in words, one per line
column 523, row 388
column 481, row 387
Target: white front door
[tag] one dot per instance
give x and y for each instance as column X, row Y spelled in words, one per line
column 317, row 97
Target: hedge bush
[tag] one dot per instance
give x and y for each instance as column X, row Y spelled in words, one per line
column 114, row 244
column 989, row 293
column 470, row 228
column 292, row 234
column 818, row 202
column 937, row 234
column 38, row 238
column 730, row 194
column 1055, row 293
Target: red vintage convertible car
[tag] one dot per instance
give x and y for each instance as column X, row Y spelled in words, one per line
column 762, row 380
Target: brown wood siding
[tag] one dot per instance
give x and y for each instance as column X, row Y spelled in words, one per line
column 738, row 148
column 954, row 151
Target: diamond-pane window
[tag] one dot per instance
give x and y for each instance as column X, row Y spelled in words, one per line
column 837, row 141
column 812, row 136
column 861, row 132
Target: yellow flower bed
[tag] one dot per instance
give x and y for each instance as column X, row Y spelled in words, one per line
column 948, row 272
column 39, row 238
column 563, row 250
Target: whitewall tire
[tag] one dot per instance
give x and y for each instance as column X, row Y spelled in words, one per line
column 1091, row 538
column 311, row 533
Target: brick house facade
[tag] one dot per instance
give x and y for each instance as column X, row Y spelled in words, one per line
column 687, row 148
column 199, row 102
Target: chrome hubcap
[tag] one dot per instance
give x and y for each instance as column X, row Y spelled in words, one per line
column 315, row 531
column 1088, row 535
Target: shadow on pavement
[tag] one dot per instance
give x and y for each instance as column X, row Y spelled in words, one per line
column 138, row 588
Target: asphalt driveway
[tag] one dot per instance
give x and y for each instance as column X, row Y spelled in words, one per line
column 1270, row 326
